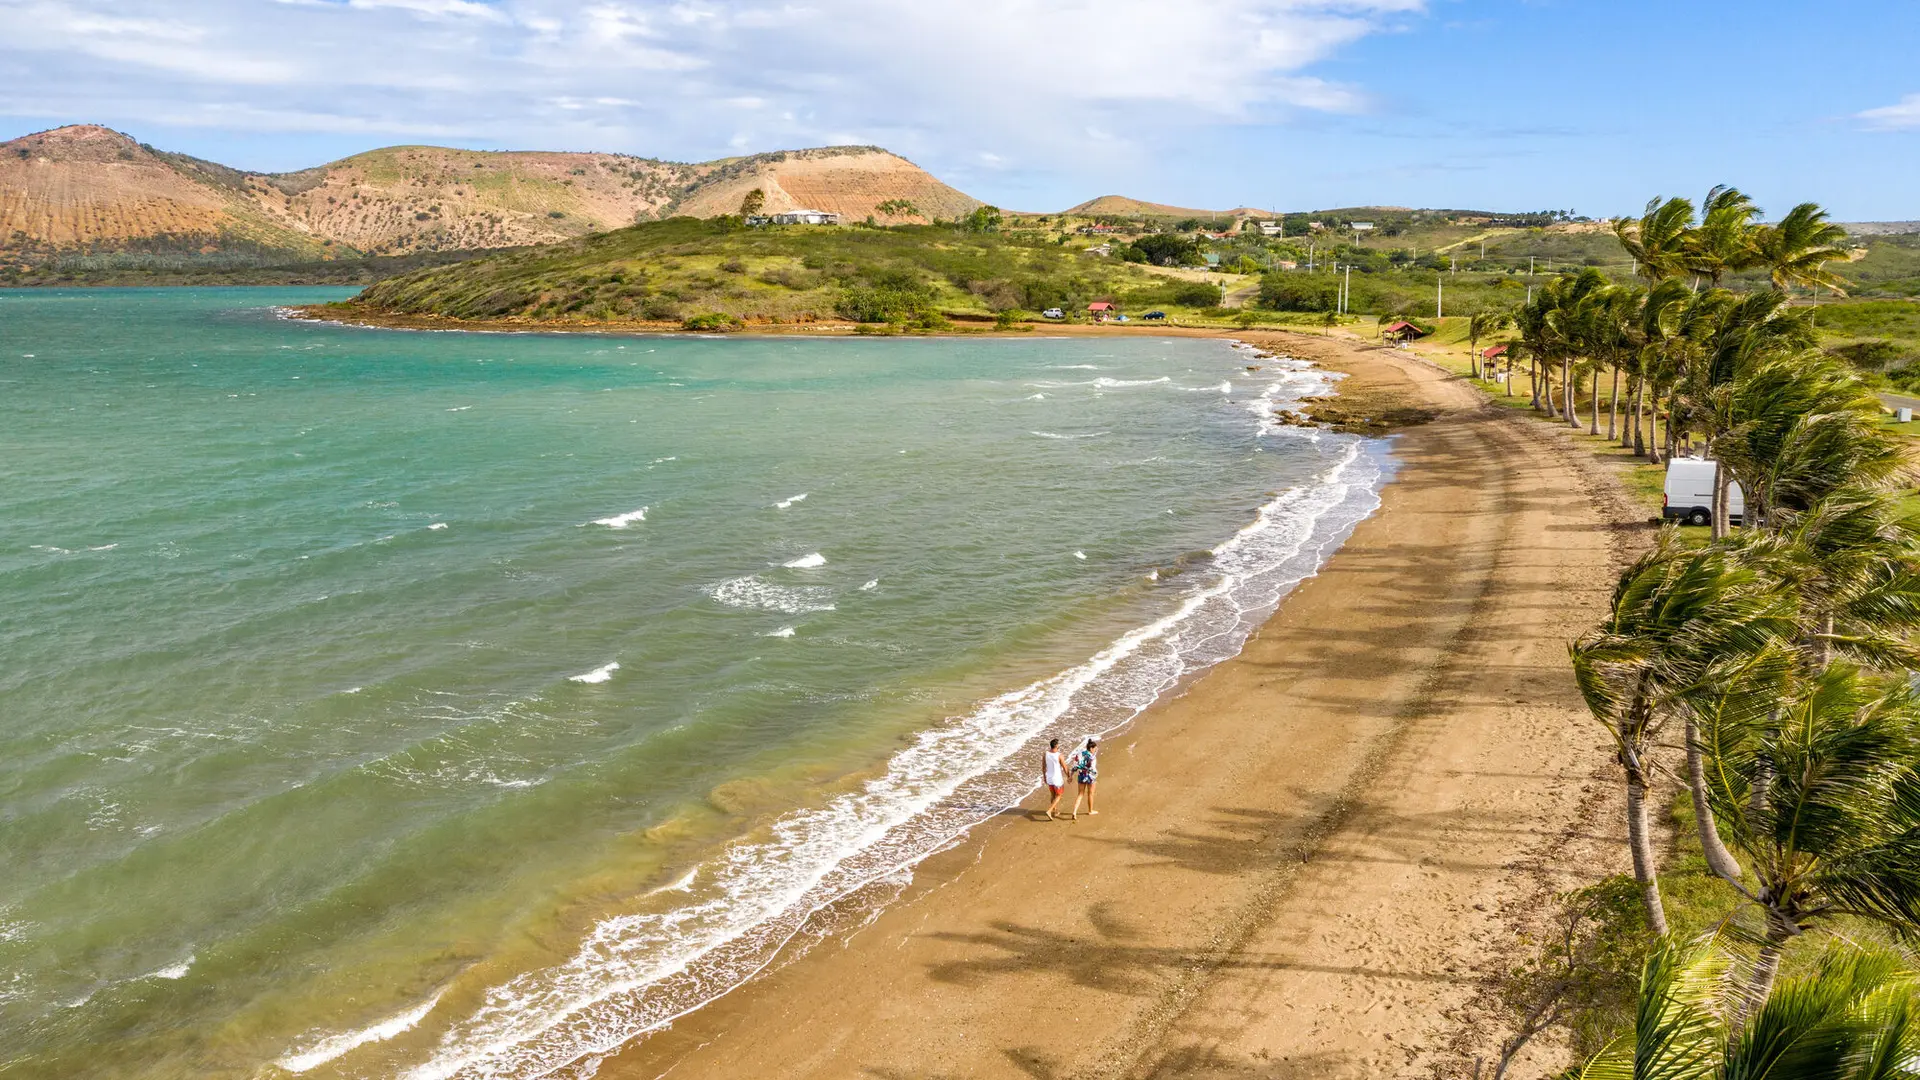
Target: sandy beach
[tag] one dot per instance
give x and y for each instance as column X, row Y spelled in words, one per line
column 1310, row 863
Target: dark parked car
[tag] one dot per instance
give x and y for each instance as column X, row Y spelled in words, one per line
column 1154, row 315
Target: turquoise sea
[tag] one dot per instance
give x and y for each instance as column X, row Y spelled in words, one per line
column 379, row 704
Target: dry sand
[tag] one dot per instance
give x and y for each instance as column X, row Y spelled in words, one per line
column 1311, row 863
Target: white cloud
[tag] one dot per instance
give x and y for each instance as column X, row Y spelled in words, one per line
column 1904, row 115
column 1048, row 83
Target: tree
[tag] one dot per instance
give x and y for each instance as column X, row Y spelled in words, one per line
column 1723, row 242
column 983, row 219
column 752, row 203
column 1167, row 249
column 1680, row 621
column 1797, row 250
column 1657, row 242
column 1855, row 1017
column 1838, row 829
column 1484, row 324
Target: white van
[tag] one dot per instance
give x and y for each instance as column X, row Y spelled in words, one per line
column 1690, row 492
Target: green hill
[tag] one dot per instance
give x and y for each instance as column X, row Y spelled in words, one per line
column 684, row 268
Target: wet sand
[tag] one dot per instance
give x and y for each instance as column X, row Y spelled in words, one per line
column 1311, row 863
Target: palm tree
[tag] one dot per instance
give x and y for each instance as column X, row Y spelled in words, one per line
column 1856, row 1017
column 1798, row 249
column 1723, row 242
column 1657, row 241
column 1681, row 622
column 1800, row 426
column 1484, row 324
column 1838, row 831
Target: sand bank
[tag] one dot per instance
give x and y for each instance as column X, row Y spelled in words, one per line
column 1310, row 863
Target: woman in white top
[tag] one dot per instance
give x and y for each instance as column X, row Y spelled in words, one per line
column 1053, row 773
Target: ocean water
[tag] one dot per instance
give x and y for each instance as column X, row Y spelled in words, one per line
column 460, row 705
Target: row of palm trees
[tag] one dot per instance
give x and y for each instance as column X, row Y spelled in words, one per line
column 1778, row 655
column 1672, row 342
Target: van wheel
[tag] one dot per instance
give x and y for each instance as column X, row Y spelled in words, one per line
column 1699, row 516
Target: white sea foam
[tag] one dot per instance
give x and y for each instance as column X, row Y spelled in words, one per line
column 785, row 503
column 684, row 884
column 663, row 460
column 1053, row 435
column 755, row 592
column 173, row 971
column 437, row 525
column 597, row 675
column 1108, row 384
column 806, row 562
column 621, row 521
column 1080, row 555
column 1074, row 367
column 104, row 547
column 871, row 585
column 460, row 408
column 785, row 631
column 334, row 1046
column 1036, row 397
column 638, row 971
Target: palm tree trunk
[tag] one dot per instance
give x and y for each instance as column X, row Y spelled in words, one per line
column 1566, row 386
column 1720, row 524
column 1767, row 967
column 1640, row 842
column 1613, row 410
column 1593, row 403
column 1639, row 416
column 1719, row 859
column 1533, row 379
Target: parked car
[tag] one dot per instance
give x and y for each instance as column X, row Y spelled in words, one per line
column 1054, row 313
column 1689, row 494
column 1154, row 315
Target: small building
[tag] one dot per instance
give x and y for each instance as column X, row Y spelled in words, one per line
column 1101, row 310
column 1271, row 228
column 1213, row 260
column 1493, row 352
column 1363, row 226
column 798, row 216
column 1401, row 332
column 1100, row 249
column 1288, row 264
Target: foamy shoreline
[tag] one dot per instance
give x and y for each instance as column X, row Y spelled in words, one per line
column 637, row 973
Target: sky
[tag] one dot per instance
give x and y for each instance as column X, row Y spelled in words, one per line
column 1581, row 105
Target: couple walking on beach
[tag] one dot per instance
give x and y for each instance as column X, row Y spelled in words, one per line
column 1085, row 767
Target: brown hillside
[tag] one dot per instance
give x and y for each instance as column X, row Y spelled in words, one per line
column 89, row 187
column 429, row 198
column 1122, row 206
column 93, row 189
column 851, row 181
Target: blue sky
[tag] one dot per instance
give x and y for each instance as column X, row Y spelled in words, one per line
column 1503, row 104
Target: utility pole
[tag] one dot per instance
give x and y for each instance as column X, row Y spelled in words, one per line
column 1529, row 270
column 1346, row 291
column 1439, row 297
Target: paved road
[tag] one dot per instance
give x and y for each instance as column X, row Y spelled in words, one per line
column 1900, row 401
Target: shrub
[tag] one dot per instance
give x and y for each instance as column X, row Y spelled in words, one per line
column 713, row 322
column 895, row 301
column 1295, row 291
column 1877, row 355
column 734, row 266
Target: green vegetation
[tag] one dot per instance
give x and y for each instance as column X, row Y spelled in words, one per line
column 1775, row 657
column 910, row 275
